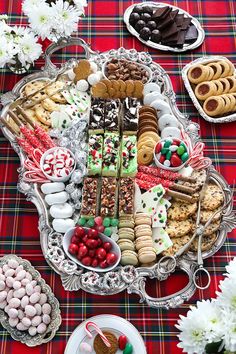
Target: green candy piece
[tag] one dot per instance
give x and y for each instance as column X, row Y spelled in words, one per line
column 82, row 221
column 183, row 144
column 90, row 222
column 107, row 231
column 181, row 150
column 184, row 157
column 114, row 222
column 106, row 222
column 164, row 151
column 167, row 143
column 168, row 155
column 128, row 349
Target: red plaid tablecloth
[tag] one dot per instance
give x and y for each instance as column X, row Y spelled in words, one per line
column 103, row 27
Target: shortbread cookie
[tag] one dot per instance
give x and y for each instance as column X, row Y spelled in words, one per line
column 213, row 197
column 181, row 211
column 178, row 243
column 179, row 228
column 207, row 242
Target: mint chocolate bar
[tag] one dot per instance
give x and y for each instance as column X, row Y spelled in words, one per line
column 95, row 155
column 128, row 156
column 111, row 154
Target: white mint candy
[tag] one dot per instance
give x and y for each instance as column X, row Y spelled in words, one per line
column 20, row 314
column 167, row 120
column 9, row 272
column 13, row 313
column 43, row 299
column 61, row 211
column 34, row 298
column 93, row 67
column 2, row 285
column 46, row 308
column 36, row 320
column 151, row 87
column 38, row 308
column 37, row 289
column 41, row 328
column 62, row 225
column 167, row 163
column 12, row 263
column 13, row 322
column 21, row 327
column 30, row 310
column 56, row 198
column 3, row 304
column 173, row 148
column 20, row 275
column 19, row 268
column 93, row 79
column 17, row 285
column 10, row 281
column 32, row 331
column 26, row 321
column 46, row 319
column 19, row 293
column 24, row 301
column 54, row 187
column 14, row 303
column 3, row 295
column 82, row 85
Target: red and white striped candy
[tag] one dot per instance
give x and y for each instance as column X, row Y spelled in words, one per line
column 69, row 162
column 59, row 164
column 64, row 172
column 49, row 159
column 47, row 168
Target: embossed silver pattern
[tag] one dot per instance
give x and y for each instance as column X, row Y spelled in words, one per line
column 204, row 60
column 55, row 323
column 133, row 279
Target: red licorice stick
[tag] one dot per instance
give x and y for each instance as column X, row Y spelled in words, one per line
column 156, row 180
column 158, row 172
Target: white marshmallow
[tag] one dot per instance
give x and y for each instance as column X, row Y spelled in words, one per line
column 54, row 187
column 62, row 225
column 61, row 211
column 56, row 198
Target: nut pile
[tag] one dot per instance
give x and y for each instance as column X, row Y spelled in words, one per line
column 22, row 299
column 122, row 69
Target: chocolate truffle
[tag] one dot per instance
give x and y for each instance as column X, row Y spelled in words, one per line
column 156, row 36
column 134, row 17
column 147, row 9
column 138, row 9
column 145, row 33
column 145, row 17
column 152, row 25
column 139, row 25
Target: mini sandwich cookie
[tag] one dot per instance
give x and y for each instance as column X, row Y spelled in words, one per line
column 128, row 156
column 111, row 154
column 143, row 235
column 95, row 155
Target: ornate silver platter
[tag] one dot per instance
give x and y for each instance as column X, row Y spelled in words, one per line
column 127, row 277
column 226, row 119
column 52, row 328
column 197, row 43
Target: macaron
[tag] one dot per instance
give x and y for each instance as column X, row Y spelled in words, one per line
column 126, row 223
column 126, row 233
column 146, row 255
column 142, row 219
column 143, row 230
column 126, row 244
column 129, row 258
column 143, row 242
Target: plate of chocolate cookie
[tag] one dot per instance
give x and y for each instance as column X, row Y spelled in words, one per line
column 164, row 26
column 105, row 334
column 211, row 84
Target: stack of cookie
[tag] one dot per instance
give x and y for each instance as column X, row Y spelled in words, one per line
column 182, row 220
column 147, row 134
column 126, row 240
column 143, row 236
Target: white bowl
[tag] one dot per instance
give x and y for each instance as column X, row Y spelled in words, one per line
column 115, row 249
column 158, row 164
column 53, row 178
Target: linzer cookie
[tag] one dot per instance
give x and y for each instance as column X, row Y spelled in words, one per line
column 89, row 197
column 96, row 118
column 128, row 156
column 111, row 154
column 109, row 192
column 112, row 116
column 130, row 116
column 95, row 155
column 126, row 196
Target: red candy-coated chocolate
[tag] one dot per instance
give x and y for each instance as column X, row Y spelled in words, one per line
column 111, row 258
column 162, row 159
column 83, row 250
column 73, row 249
column 79, row 232
column 91, row 243
column 94, row 263
column 103, row 264
column 86, row 261
column 74, row 240
column 158, row 148
column 175, row 160
column 175, row 142
column 122, row 341
column 92, row 233
column 107, row 246
column 92, row 253
column 101, row 253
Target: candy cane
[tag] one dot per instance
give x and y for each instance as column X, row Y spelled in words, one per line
column 98, row 330
column 34, row 173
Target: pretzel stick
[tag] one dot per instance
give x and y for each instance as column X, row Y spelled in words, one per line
column 9, row 127
column 25, row 115
column 15, row 118
column 185, row 197
column 182, row 188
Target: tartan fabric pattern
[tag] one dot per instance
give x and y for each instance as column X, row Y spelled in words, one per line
column 104, row 29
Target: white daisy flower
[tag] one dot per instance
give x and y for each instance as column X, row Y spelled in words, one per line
column 41, row 20
column 80, row 5
column 30, row 50
column 7, row 51
column 231, row 269
column 65, row 18
column 31, row 5
column 229, row 330
column 227, row 297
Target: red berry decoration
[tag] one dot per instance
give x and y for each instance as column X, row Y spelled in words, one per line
column 94, row 263
column 87, row 261
column 92, row 233
column 79, row 232
column 73, row 249
column 111, row 258
column 83, row 250
column 103, row 264
column 122, row 341
column 107, row 246
column 91, row 243
column 101, row 253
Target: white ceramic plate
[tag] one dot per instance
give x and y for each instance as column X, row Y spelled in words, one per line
column 115, row 324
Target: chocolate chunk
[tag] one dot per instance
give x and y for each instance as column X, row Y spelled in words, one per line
column 165, row 23
column 168, row 32
column 172, row 40
column 145, row 17
column 134, row 17
column 145, row 33
column 181, row 39
column 156, row 36
column 191, row 35
column 186, row 23
column 162, row 12
column 139, row 25
column 179, row 20
column 174, row 13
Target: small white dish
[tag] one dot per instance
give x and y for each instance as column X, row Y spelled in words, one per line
column 112, row 323
column 54, row 178
column 115, row 248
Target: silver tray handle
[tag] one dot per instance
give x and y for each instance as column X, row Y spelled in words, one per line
column 63, row 43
